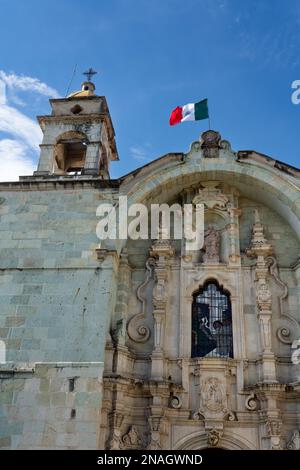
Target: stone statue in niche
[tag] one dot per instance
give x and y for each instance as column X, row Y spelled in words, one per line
column 211, row 245
column 132, row 439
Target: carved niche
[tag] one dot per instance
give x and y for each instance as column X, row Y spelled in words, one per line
column 211, row 245
column 222, row 201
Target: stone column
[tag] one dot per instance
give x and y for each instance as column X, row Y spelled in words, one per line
column 161, row 251
column 119, row 322
column 233, row 231
column 261, row 249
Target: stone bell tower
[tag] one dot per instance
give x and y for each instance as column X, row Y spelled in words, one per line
column 79, row 137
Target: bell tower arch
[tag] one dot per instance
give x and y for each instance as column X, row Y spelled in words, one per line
column 79, row 137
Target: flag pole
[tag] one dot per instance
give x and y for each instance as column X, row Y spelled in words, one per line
column 209, row 126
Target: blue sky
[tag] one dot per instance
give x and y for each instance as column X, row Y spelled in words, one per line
column 152, row 55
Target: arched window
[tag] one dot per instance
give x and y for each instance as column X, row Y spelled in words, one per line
column 70, row 152
column 211, row 322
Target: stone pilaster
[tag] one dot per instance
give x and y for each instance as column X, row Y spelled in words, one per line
column 162, row 252
column 261, row 249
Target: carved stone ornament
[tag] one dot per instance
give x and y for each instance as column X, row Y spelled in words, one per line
column 263, row 296
column 213, row 437
column 230, row 415
column 175, row 402
column 197, row 415
column 284, row 333
column 115, row 442
column 212, row 395
column 210, row 143
column 274, row 427
column 132, row 440
column 137, row 329
column 259, row 244
column 251, row 402
column 154, row 442
column 211, row 196
column 154, row 423
column 296, row 351
column 159, row 291
column 211, row 245
column 294, row 442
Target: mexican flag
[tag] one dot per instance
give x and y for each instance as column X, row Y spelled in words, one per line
column 189, row 112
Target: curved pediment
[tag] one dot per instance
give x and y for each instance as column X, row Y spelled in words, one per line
column 256, row 176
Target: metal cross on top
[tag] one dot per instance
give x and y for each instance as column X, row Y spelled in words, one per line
column 89, row 73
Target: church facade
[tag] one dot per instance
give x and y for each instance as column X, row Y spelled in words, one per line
column 142, row 344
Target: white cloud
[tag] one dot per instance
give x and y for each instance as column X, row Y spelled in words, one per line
column 139, row 153
column 23, row 83
column 14, row 161
column 22, row 135
column 19, row 125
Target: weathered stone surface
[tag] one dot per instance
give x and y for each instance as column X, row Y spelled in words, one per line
column 67, row 311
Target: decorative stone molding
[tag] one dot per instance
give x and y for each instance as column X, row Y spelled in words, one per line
column 137, row 329
column 103, row 253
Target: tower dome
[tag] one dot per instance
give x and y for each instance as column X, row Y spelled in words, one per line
column 87, row 89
